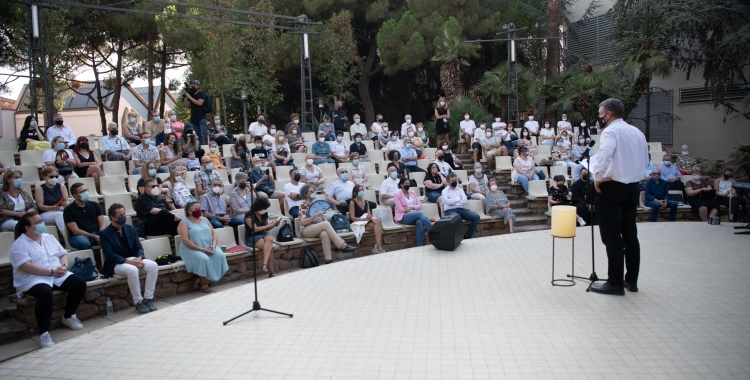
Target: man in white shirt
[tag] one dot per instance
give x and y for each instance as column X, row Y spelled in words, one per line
column 532, row 125
column 466, row 129
column 357, row 127
column 291, row 191
column 389, row 187
column 492, row 147
column 59, row 129
column 114, row 147
column 622, row 155
column 340, row 192
column 454, row 200
column 339, row 149
column 498, row 126
column 406, row 125
column 258, row 128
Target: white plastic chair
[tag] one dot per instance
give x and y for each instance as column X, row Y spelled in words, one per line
column 537, row 189
column 88, row 182
column 31, row 157
column 123, row 199
column 112, row 185
column 114, row 168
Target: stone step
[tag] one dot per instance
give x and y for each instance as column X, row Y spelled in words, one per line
column 12, row 330
column 534, row 227
column 6, row 308
column 522, row 211
column 533, row 219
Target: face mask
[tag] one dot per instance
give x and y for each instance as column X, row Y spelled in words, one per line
column 564, row 118
column 601, row 122
column 411, row 134
column 339, row 139
column 309, row 161
column 493, row 187
column 133, row 120
column 321, row 139
column 685, row 153
column 257, row 166
column 585, row 177
column 361, row 194
column 273, row 131
column 84, row 145
column 52, row 181
column 482, row 126
column 295, row 121
column 525, row 154
column 420, row 129
column 121, row 220
column 394, row 175
column 565, row 137
column 312, row 196
column 466, row 117
column 196, row 213
column 259, row 145
column 113, row 132
column 40, row 228
column 173, row 118
column 261, row 121
column 546, row 125
column 358, row 139
column 394, row 137
column 583, row 124
column 147, row 142
column 17, row 183
column 439, row 158
column 489, row 134
column 85, row 196
column 497, row 119
column 152, row 172
column 178, row 178
column 297, row 177
column 668, row 163
column 581, row 141
column 453, row 184
column 217, row 121
column 656, row 176
column 696, row 176
column 209, row 166
column 58, row 122
column 407, row 186
column 560, row 143
column 344, row 176
column 293, row 131
column 281, row 138
column 242, row 185
column 355, row 162
column 356, row 121
column 442, row 103
column 408, row 146
column 60, row 146
column 155, row 191
column 478, row 170
column 213, row 150
column 380, row 120
column 445, row 147
column 531, row 118
column 560, row 184
column 32, row 123
column 525, row 134
column 727, row 176
column 216, row 190
column 157, row 118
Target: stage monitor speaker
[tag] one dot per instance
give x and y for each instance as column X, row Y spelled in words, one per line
column 447, row 232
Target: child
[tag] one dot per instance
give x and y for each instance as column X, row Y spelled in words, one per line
column 215, row 156
column 192, row 163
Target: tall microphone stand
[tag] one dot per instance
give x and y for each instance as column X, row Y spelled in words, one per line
column 256, row 303
column 590, row 191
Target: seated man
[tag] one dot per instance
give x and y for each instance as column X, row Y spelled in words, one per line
column 291, row 193
column 583, row 193
column 114, row 147
column 84, row 218
column 359, row 148
column 444, row 167
column 262, row 153
column 657, row 196
column 454, row 200
column 340, row 192
column 263, row 182
column 214, row 207
column 321, row 151
column 153, row 210
column 478, row 183
column 339, row 149
column 409, row 157
column 492, row 147
column 672, row 176
column 123, row 255
column 389, row 187
column 204, row 177
column 146, row 151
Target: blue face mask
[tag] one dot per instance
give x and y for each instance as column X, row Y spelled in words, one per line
column 148, row 142
column 152, row 172
column 560, row 144
column 281, row 138
column 60, row 146
column 355, row 162
column 344, row 176
column 85, row 197
column 209, row 166
column 339, row 139
column 258, row 146
column 312, row 196
column 40, row 228
column 361, row 194
column 478, row 171
column 132, row 120
column 685, row 153
column 394, row 137
column 257, row 166
column 17, row 183
column 668, row 163
column 394, row 175
column 359, row 139
column 157, row 118
column 408, row 146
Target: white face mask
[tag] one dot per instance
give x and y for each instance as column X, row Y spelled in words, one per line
column 442, row 103
column 445, row 147
column 583, row 124
column 411, row 134
column 420, row 129
column 466, row 117
column 295, row 121
column 309, row 161
column 565, row 118
column 482, row 126
column 356, row 121
column 531, row 117
column 408, row 121
column 546, row 125
column 322, row 139
column 385, row 129
column 497, row 119
column 493, row 187
column 525, row 134
column 489, row 134
column 273, row 131
column 52, row 181
column 155, row 191
column 216, row 190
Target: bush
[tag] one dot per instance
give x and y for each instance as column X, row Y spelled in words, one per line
column 457, row 109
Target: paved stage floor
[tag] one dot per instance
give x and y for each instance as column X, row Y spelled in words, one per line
column 486, row 310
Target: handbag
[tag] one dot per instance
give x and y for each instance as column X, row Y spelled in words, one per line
column 340, row 223
column 309, row 258
column 85, row 268
column 286, row 233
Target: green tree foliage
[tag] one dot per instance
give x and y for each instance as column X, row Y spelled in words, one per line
column 494, row 87
column 452, row 53
column 333, row 61
column 463, row 103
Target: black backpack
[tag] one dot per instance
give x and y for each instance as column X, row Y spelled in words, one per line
column 208, row 103
column 340, row 223
column 309, row 258
column 85, row 268
column 286, row 233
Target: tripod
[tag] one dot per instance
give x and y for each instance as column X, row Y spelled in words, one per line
column 256, row 303
column 590, row 191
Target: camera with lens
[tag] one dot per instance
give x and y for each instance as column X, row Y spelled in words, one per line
column 186, row 89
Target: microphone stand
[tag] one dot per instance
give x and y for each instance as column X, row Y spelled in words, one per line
column 590, row 191
column 256, row 303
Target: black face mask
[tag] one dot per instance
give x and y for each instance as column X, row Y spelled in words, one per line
column 58, row 122
column 297, row 177
column 727, row 176
column 113, row 132
column 585, row 177
column 601, row 122
column 453, row 184
column 406, row 187
column 242, row 185
column 440, row 158
column 380, row 120
column 84, row 145
column 261, row 121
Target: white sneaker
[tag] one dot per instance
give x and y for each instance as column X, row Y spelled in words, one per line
column 73, row 322
column 45, row 340
column 581, row 222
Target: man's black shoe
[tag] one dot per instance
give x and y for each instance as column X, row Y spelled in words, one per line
column 630, row 287
column 606, row 288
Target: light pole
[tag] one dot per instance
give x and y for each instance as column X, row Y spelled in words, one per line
column 243, row 96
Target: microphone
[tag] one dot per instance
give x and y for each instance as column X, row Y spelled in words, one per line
column 587, row 153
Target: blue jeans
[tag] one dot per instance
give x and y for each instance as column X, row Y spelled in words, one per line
column 280, row 163
column 433, row 196
column 201, row 130
column 294, row 212
column 330, row 137
column 524, row 181
column 319, row 161
column 467, row 215
column 655, row 206
column 160, row 169
column 82, row 242
column 233, row 222
column 258, row 237
column 548, row 142
column 420, row 220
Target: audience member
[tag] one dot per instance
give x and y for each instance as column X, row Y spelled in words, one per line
column 263, row 182
column 671, row 175
column 257, row 236
column 296, row 140
column 441, row 164
column 258, row 127
column 449, row 157
column 478, row 183
column 383, row 138
column 564, row 124
column 321, row 151
column 657, row 196
column 292, row 193
column 508, row 139
column 558, row 192
column 526, row 140
column 394, row 144
column 727, row 196
column 147, row 152
column 338, row 116
column 579, row 148
column 376, row 128
column 566, row 140
column 153, row 211
column 149, row 171
column 408, row 210
column 357, row 127
column 686, row 161
column 357, row 172
column 177, row 127
column 258, row 151
column 131, row 129
column 421, row 139
column 532, row 125
column 114, row 147
column 84, row 218
column 240, row 199
column 326, row 129
column 31, row 136
column 561, row 154
column 498, row 126
column 214, row 207
column 409, row 156
column 60, row 129
column 339, row 149
column 60, row 158
column 180, row 193
column 51, row 198
column 434, row 183
column 215, row 155
column 584, row 197
column 316, row 226
column 454, row 200
column 189, row 143
column 497, row 205
column 200, row 249
column 547, row 135
column 442, row 120
column 389, row 187
column 87, row 162
column 312, row 174
column 155, row 127
column 218, row 133
column 170, row 154
column 340, row 192
column 191, row 163
column 360, row 149
column 204, row 177
column 282, row 155
column 525, row 169
column 361, row 210
column 466, row 129
column 701, row 196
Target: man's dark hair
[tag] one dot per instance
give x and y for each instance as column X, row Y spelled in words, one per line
column 615, row 106
column 24, row 222
column 258, row 138
column 451, row 175
column 357, row 135
column 143, row 133
column 74, row 188
column 148, row 181
column 113, row 209
column 260, row 204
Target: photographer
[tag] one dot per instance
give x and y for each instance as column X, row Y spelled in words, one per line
column 189, row 143
column 194, row 98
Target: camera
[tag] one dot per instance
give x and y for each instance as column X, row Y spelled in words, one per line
column 186, row 89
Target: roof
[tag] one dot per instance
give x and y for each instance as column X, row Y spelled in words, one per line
column 82, row 99
column 7, row 104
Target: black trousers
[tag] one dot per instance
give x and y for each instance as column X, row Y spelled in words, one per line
column 616, row 209
column 734, row 206
column 76, row 288
column 162, row 223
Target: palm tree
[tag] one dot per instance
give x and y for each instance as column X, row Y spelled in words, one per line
column 451, row 52
column 494, row 87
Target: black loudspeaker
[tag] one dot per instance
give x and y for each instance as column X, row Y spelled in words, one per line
column 447, row 232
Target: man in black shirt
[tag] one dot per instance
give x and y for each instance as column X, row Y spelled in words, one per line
column 195, row 99
column 338, row 116
column 358, row 147
column 151, row 208
column 84, row 219
column 261, row 152
column 582, row 194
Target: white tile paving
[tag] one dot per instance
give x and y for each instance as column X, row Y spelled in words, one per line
column 484, row 311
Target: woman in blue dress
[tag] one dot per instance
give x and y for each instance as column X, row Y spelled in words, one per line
column 199, row 249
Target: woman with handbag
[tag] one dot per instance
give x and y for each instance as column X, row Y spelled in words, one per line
column 256, row 220
column 360, row 210
column 408, row 210
column 60, row 158
column 14, row 202
column 316, row 226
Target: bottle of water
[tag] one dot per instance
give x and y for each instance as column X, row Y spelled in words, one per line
column 110, row 309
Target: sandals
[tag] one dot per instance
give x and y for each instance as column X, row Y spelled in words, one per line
column 197, row 283
column 204, row 286
column 271, row 275
column 264, row 268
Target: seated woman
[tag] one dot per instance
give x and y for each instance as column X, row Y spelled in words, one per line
column 218, row 133
column 395, row 143
column 295, row 140
column 31, row 136
column 701, row 196
column 395, row 156
column 257, row 220
column 60, row 158
column 561, row 155
column 727, row 196
column 282, row 155
column 215, row 156
column 40, row 265
column 316, row 226
column 239, row 154
column 149, row 171
column 179, row 192
column 199, row 249
column 356, row 172
column 422, row 137
column 312, row 174
column 153, row 211
column 189, row 143
column 526, row 140
column 449, row 157
column 171, row 153
column 580, row 148
column 434, row 183
column 358, row 207
column 524, row 169
column 566, row 139
column 497, row 205
column 14, row 202
column 51, row 198
column 87, row 163
column 558, row 192
column 408, row 210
